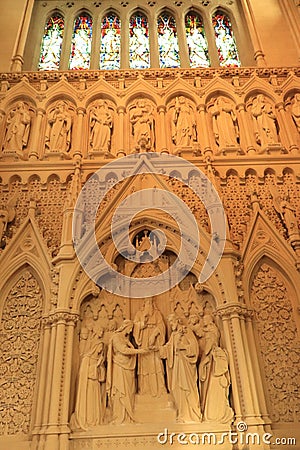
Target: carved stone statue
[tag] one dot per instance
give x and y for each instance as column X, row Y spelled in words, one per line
column 121, row 363
column 181, row 352
column 58, row 132
column 142, row 121
column 214, row 376
column 149, row 332
column 183, row 123
column 101, row 123
column 295, row 110
column 265, row 123
column 289, row 216
column 225, row 125
column 17, row 128
column 7, row 215
column 90, row 399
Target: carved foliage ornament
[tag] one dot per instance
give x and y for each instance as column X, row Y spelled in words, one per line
column 279, row 343
column 20, row 336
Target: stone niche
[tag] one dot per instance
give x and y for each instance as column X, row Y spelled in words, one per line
column 145, row 368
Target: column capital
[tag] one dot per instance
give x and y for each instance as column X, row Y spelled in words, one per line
column 232, row 310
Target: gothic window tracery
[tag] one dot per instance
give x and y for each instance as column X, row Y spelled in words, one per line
column 225, row 40
column 52, row 43
column 139, row 50
column 110, row 51
column 167, row 41
column 196, row 40
column 81, row 43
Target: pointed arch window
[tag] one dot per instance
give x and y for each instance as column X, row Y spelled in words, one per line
column 110, row 51
column 167, row 41
column 196, row 40
column 81, row 43
column 139, row 49
column 225, row 41
column 51, row 43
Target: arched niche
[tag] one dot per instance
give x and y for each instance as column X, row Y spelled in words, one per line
column 273, row 300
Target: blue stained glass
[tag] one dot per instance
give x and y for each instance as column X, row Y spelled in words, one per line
column 196, row 40
column 167, row 41
column 51, row 43
column 81, row 43
column 139, row 51
column 227, row 49
column 110, row 42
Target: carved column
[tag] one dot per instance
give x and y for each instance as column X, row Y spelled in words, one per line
column 53, row 429
column 77, row 149
column 244, row 383
column 17, row 60
column 258, row 52
column 36, row 139
column 207, row 151
column 245, row 128
column 2, row 128
column 42, row 387
column 120, row 141
column 65, row 392
column 285, row 133
column 162, row 123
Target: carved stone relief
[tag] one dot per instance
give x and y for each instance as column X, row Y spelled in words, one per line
column 279, row 343
column 224, row 123
column 17, row 132
column 141, row 116
column 101, row 125
column 59, row 128
column 183, row 123
column 20, row 336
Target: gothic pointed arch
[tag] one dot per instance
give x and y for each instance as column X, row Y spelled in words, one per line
column 225, row 40
column 81, row 46
column 196, row 40
column 167, row 40
column 139, row 45
column 110, row 48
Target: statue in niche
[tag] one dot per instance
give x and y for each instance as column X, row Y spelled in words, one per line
column 142, row 121
column 101, row 123
column 17, row 128
column 58, row 132
column 181, row 352
column 149, row 332
column 214, row 378
column 285, row 210
column 7, row 215
column 91, row 396
column 183, row 123
column 295, row 110
column 265, row 123
column 225, row 125
column 121, row 363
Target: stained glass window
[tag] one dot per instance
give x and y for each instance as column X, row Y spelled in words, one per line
column 110, row 42
column 196, row 40
column 167, row 41
column 51, row 43
column 226, row 45
column 139, row 53
column 81, row 43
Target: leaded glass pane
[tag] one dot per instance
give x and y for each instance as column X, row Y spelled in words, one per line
column 81, row 43
column 167, row 41
column 110, row 42
column 139, row 52
column 196, row 40
column 227, row 49
column 51, row 43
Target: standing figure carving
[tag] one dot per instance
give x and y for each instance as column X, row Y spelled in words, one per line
column 149, row 332
column 91, row 396
column 265, row 123
column 214, row 378
column 181, row 352
column 183, row 123
column 58, row 132
column 225, row 125
column 295, row 110
column 121, row 363
column 17, row 128
column 101, row 123
column 142, row 121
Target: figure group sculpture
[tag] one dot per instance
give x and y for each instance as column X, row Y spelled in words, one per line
column 196, row 372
